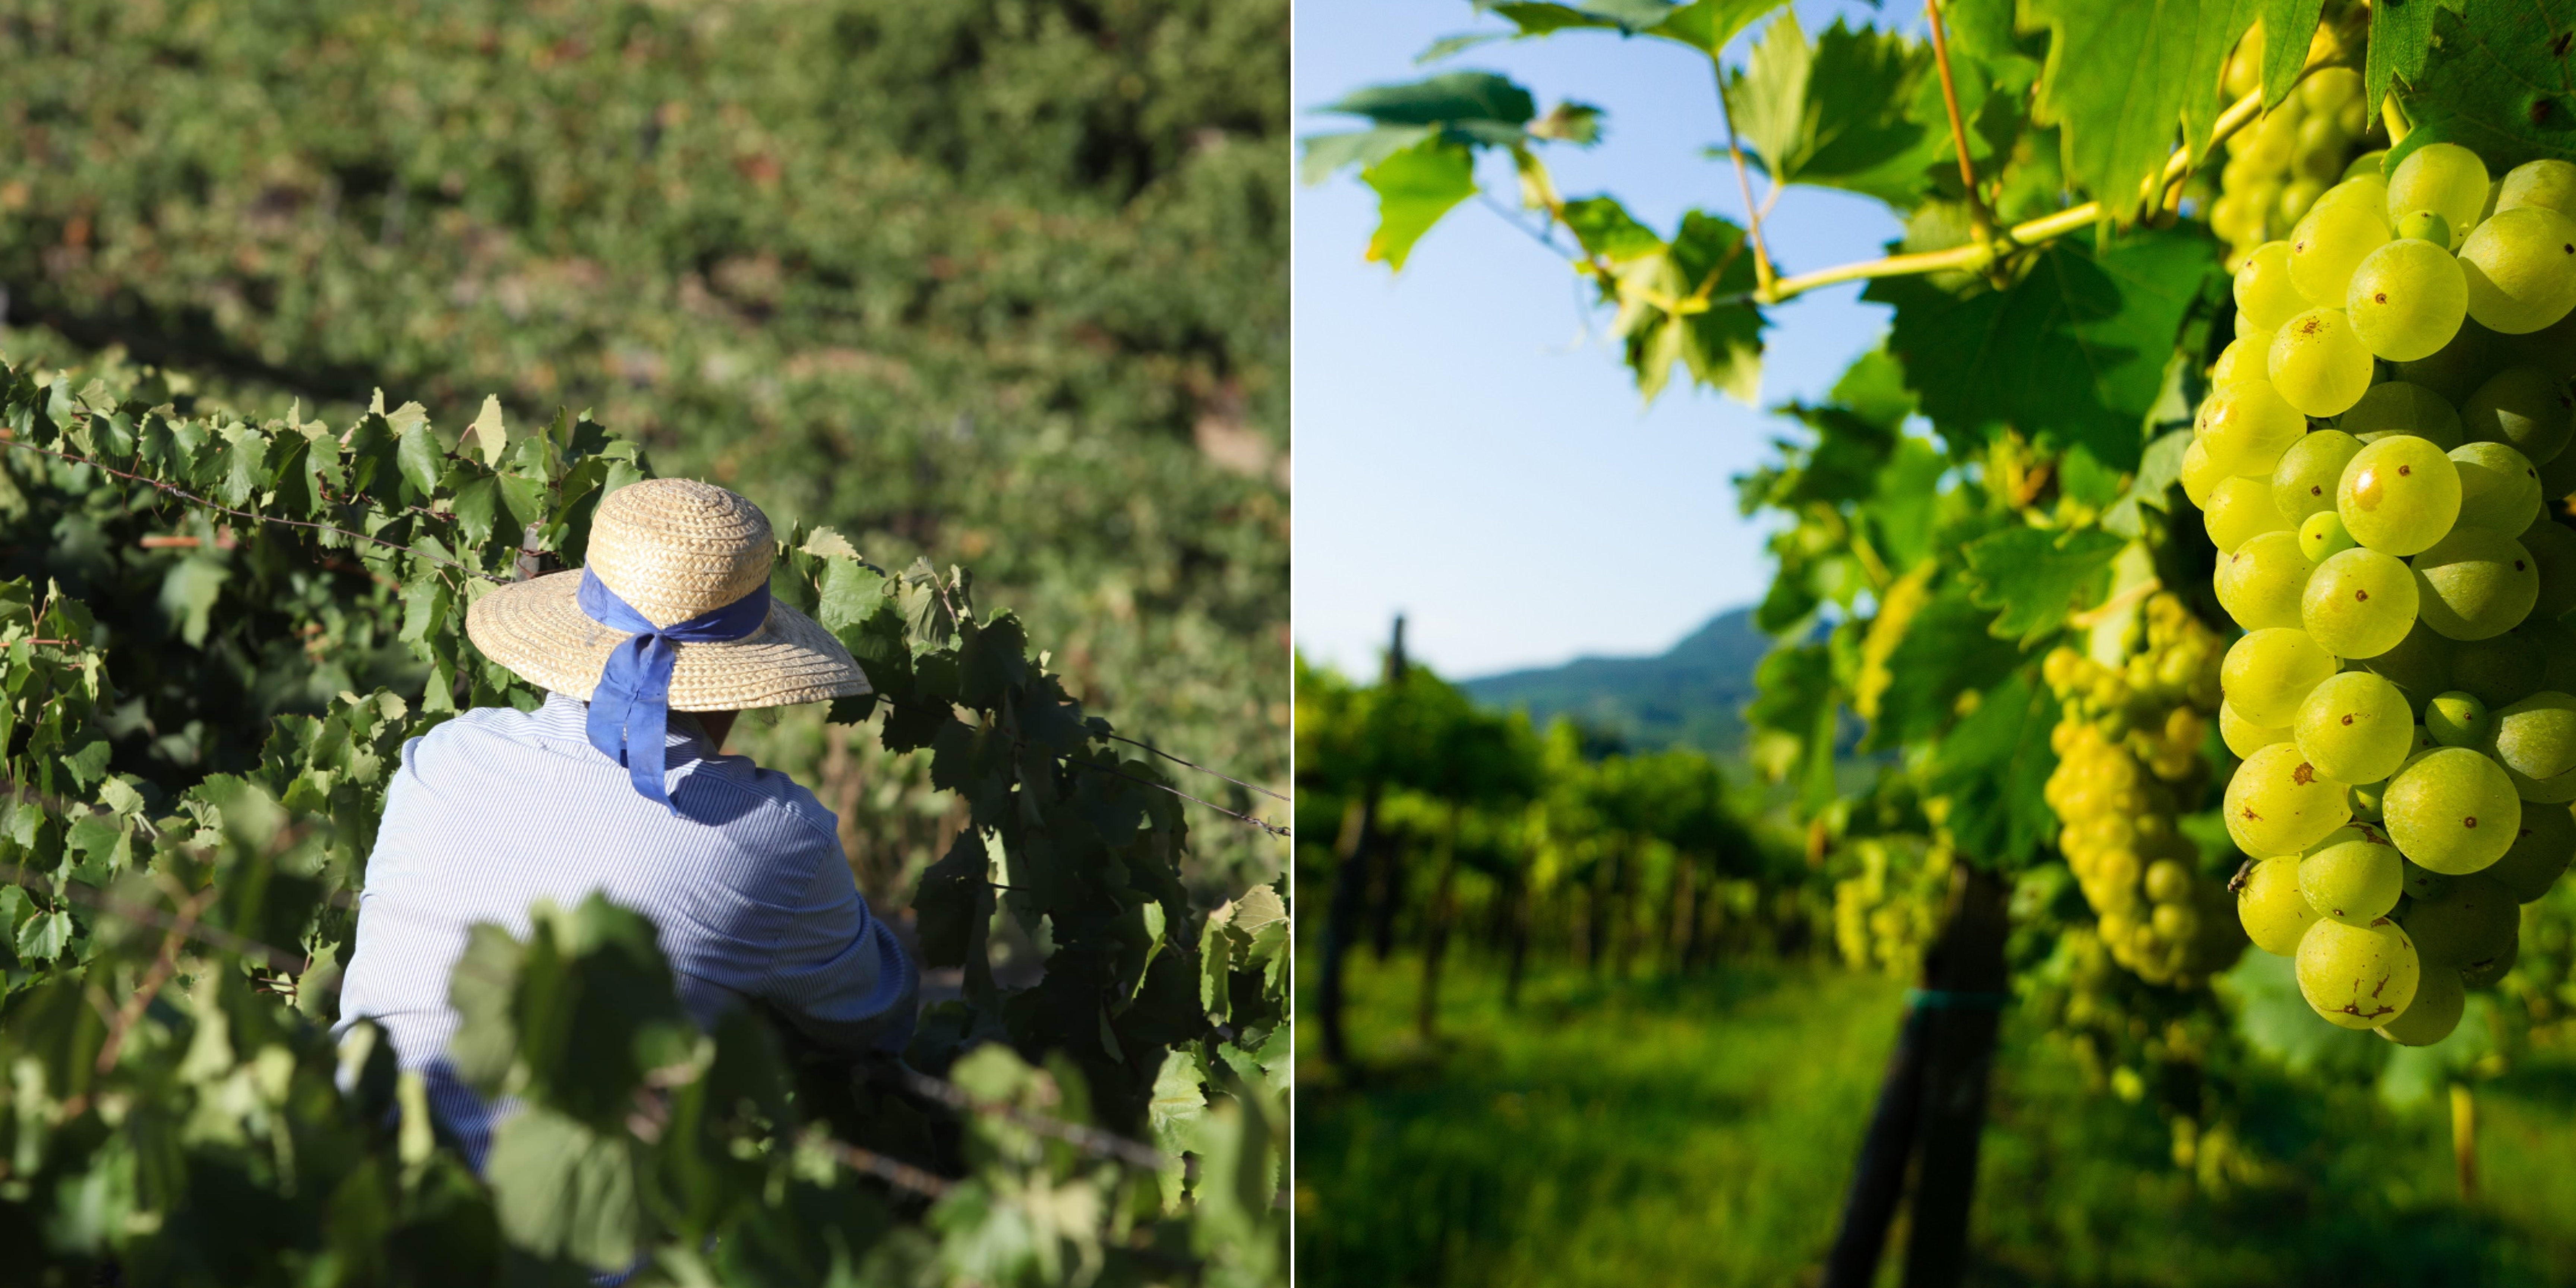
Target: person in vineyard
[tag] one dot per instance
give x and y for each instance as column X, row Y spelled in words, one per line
column 618, row 786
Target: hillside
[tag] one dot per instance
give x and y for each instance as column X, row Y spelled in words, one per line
column 1692, row 694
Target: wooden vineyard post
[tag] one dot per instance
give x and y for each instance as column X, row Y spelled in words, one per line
column 1932, row 1105
column 1350, row 889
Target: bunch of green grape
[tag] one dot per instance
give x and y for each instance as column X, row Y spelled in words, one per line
column 2377, row 461
column 2128, row 742
column 2276, row 170
column 1885, row 915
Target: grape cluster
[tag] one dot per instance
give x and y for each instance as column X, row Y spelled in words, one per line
column 1886, row 914
column 2371, row 462
column 2128, row 743
column 2276, row 171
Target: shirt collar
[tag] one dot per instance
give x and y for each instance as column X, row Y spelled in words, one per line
column 566, row 719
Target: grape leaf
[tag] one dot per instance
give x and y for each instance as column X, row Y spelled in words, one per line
column 188, row 593
column 2288, row 27
column 1992, row 766
column 1479, row 105
column 1605, row 228
column 561, row 1189
column 2073, row 351
column 2122, row 74
column 1326, row 153
column 2401, row 35
column 1704, row 25
column 1721, row 346
column 2032, row 576
column 1944, row 650
column 2497, row 82
column 1839, row 112
column 1415, row 187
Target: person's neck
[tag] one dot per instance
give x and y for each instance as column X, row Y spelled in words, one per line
column 716, row 724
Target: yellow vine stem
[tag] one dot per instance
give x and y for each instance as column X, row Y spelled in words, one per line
column 1976, row 256
column 2101, row 612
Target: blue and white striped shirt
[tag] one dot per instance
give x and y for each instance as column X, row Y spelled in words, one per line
column 748, row 887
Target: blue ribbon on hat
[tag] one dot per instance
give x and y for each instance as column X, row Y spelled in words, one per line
column 630, row 711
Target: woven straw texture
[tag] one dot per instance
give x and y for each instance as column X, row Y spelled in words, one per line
column 672, row 548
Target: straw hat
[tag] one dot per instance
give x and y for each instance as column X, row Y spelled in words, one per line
column 671, row 548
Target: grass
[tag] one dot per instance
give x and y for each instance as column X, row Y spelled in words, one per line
column 1701, row 1130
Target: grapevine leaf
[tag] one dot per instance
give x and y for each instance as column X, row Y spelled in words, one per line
column 188, row 593
column 1179, row 1103
column 489, row 432
column 2032, row 577
column 944, row 907
column 43, row 936
column 245, row 472
column 1604, row 228
column 2401, row 36
column 1992, row 766
column 2498, row 81
column 422, row 459
column 1943, row 649
column 478, row 509
column 1718, row 344
column 1481, row 103
column 2288, row 26
column 2123, row 74
column 2073, row 351
column 426, row 603
column 1837, row 113
column 561, row 1189
column 1327, row 153
column 1415, row 187
column 850, row 592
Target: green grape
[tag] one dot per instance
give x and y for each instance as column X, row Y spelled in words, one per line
column 2541, row 849
column 2355, row 728
column 2343, row 227
column 2457, row 371
column 2535, row 737
column 2452, row 810
column 2408, row 299
column 2298, row 196
column 2268, row 673
column 2322, row 536
column 2549, row 184
column 2557, row 478
column 2168, row 881
column 2359, row 603
column 2423, row 882
column 2398, row 495
column 2551, row 348
column 2246, row 330
column 2277, row 803
column 2499, row 487
column 2444, row 178
column 2543, row 791
column 2271, row 907
column 2439, row 1002
column 2365, row 800
column 2555, row 642
column 2521, row 268
column 2303, row 483
column 2426, row 226
column 2456, row 719
column 2525, row 408
column 2239, row 510
column 2259, row 584
column 2485, row 974
column 2474, row 584
column 2358, row 977
column 2367, row 165
column 2553, row 547
column 2420, row 665
column 2497, row 671
column 2265, row 295
column 2319, row 364
column 2473, row 920
column 2352, row 876
column 2245, row 427
column 2242, row 736
column 2396, row 407
column 2199, row 477
column 2247, row 357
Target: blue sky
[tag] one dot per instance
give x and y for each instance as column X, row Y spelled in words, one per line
column 1469, row 450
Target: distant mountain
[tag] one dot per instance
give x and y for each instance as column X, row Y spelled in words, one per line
column 1693, row 694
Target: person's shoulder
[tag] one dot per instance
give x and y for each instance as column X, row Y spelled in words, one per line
column 781, row 801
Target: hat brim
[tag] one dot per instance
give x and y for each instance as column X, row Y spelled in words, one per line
column 536, row 628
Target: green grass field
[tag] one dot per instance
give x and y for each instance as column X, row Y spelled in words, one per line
column 1702, row 1130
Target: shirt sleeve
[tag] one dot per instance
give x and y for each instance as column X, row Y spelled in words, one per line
column 838, row 973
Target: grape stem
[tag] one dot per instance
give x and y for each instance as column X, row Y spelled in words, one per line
column 2091, row 616
column 1977, row 256
column 1980, row 220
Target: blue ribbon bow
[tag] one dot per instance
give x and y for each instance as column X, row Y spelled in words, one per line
column 630, row 711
